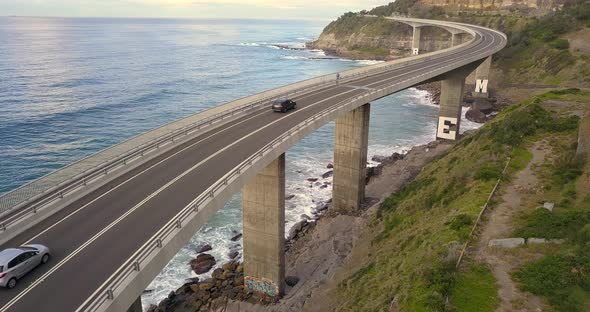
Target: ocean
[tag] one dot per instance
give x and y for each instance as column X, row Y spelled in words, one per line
column 70, row 87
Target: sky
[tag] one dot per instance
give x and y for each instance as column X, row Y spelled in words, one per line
column 277, row 9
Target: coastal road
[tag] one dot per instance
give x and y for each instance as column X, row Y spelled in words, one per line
column 91, row 238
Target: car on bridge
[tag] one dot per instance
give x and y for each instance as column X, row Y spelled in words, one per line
column 17, row 262
column 283, row 105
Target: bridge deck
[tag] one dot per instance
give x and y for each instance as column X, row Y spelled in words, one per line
column 94, row 236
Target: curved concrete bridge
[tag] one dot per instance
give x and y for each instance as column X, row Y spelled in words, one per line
column 114, row 220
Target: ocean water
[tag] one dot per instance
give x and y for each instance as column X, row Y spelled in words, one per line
column 71, row 87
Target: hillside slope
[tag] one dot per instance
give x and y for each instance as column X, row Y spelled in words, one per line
column 408, row 261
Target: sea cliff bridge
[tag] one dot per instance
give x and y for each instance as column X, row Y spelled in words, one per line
column 113, row 220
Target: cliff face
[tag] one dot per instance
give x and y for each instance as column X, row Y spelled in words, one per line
column 544, row 5
column 370, row 41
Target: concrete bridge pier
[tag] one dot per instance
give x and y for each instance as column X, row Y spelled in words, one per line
column 263, row 204
column 350, row 159
column 451, row 100
column 416, row 40
column 482, row 74
column 136, row 306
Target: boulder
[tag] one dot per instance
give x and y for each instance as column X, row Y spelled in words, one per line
column 296, row 228
column 217, row 274
column 321, row 207
column 482, row 104
column 312, row 179
column 290, row 197
column 475, row 115
column 506, row 242
column 204, row 248
column 202, row 264
column 328, row 174
column 236, row 237
column 305, row 217
column 380, row 159
column 330, row 166
column 291, row 280
column 233, row 254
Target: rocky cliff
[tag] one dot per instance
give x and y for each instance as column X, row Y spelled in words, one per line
column 376, row 38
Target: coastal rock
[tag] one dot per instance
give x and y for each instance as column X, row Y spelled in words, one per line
column 202, row 264
column 379, row 159
column 475, row 115
column 217, row 274
column 312, row 179
column 483, row 105
column 236, row 237
column 233, row 254
column 321, row 207
column 328, row 174
column 204, row 248
column 296, row 229
column 290, row 197
column 330, row 166
column 291, row 280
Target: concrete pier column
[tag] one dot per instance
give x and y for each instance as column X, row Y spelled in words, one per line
column 350, row 159
column 416, row 41
column 482, row 74
column 454, row 38
column 451, row 99
column 263, row 204
column 136, row 306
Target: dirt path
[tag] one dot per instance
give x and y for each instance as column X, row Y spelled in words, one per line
column 515, row 198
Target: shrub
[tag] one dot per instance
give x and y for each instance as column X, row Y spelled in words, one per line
column 560, row 278
column 488, row 172
column 561, row 44
column 545, row 224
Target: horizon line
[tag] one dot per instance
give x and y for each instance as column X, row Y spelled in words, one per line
column 169, row 17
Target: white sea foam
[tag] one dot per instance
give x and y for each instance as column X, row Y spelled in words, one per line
column 294, row 57
column 368, row 62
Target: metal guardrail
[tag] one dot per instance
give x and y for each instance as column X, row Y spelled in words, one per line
column 133, row 265
column 31, row 197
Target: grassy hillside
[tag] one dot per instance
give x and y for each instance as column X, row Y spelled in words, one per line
column 422, row 228
column 541, row 50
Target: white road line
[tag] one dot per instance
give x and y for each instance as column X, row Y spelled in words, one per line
column 135, row 176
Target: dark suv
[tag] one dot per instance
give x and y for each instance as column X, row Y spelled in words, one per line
column 283, row 105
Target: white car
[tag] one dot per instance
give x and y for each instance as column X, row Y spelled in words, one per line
column 17, row 262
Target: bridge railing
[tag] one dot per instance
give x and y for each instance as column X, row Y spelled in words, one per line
column 28, row 199
column 100, row 300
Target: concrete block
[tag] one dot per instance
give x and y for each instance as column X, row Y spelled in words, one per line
column 506, row 242
column 534, row 240
column 549, row 206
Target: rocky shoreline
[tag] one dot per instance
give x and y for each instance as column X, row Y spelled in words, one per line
column 481, row 109
column 316, row 246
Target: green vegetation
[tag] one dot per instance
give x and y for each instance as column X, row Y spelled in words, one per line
column 561, row 278
column 475, row 290
column 424, row 225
